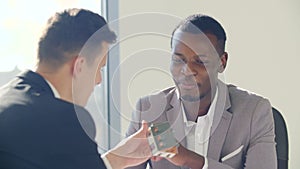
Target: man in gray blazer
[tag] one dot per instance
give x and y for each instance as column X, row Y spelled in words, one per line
column 218, row 126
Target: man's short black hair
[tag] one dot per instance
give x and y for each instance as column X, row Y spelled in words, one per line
column 67, row 32
column 199, row 23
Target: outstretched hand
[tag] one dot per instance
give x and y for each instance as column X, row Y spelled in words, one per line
column 131, row 151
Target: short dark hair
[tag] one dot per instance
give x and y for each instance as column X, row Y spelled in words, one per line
column 199, row 23
column 67, row 32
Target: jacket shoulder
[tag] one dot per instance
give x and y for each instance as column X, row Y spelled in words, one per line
column 244, row 99
column 237, row 92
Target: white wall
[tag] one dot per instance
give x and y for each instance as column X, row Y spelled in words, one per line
column 262, row 46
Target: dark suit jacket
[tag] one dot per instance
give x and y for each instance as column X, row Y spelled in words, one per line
column 38, row 130
column 242, row 133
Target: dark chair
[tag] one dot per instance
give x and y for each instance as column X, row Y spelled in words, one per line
column 281, row 138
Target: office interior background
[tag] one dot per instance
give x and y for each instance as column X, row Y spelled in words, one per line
column 262, row 42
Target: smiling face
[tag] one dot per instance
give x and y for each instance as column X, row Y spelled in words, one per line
column 195, row 64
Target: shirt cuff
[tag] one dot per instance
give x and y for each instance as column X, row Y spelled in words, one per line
column 106, row 162
column 205, row 166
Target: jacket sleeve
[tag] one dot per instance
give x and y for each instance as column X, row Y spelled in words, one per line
column 261, row 152
column 134, row 126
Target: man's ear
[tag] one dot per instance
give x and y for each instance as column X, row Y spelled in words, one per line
column 223, row 62
column 77, row 65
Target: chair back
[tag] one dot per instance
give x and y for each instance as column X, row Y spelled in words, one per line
column 281, row 139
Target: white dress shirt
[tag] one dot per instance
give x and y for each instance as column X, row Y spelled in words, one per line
column 55, row 92
column 198, row 133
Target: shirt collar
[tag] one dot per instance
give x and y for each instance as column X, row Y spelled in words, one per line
column 55, row 92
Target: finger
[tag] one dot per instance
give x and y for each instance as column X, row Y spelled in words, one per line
column 142, row 132
column 144, row 127
column 156, row 158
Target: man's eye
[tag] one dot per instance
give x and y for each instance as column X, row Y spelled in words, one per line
column 177, row 60
column 201, row 62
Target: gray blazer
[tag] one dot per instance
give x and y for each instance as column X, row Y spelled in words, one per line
column 242, row 134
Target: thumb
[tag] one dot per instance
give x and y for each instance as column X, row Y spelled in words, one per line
column 144, row 128
column 143, row 131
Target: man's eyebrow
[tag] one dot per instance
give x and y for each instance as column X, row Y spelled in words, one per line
column 178, row 54
column 201, row 56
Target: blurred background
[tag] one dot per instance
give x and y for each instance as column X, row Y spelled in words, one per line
column 262, row 42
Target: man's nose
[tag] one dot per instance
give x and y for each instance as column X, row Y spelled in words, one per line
column 97, row 82
column 98, row 79
column 188, row 70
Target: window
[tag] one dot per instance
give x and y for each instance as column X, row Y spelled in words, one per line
column 21, row 23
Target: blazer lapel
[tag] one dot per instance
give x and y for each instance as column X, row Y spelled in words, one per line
column 221, row 123
column 175, row 117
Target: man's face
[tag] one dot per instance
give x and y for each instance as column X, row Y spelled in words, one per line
column 89, row 76
column 194, row 64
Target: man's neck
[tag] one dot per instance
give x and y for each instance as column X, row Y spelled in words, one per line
column 198, row 108
column 60, row 81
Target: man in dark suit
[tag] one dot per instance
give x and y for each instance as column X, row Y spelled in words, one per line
column 42, row 120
